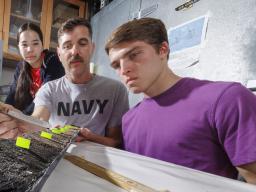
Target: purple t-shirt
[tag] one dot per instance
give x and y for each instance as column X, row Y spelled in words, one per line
column 204, row 125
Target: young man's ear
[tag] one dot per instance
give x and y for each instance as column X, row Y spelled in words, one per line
column 164, row 49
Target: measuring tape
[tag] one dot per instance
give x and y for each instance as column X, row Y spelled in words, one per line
column 111, row 176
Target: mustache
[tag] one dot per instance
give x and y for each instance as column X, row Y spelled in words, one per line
column 76, row 58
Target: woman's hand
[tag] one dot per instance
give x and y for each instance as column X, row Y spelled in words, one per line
column 8, row 127
column 6, row 107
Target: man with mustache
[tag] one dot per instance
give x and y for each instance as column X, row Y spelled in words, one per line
column 80, row 98
column 204, row 125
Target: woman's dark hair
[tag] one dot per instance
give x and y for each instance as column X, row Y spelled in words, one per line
column 32, row 27
column 22, row 94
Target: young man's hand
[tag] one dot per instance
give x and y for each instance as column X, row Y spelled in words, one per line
column 84, row 134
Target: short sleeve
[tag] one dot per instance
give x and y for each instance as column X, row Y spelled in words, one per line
column 235, row 120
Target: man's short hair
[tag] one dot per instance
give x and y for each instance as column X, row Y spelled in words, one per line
column 149, row 30
column 70, row 24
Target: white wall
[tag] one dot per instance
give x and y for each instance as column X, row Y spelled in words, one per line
column 229, row 53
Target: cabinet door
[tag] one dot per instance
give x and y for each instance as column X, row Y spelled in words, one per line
column 1, row 18
column 16, row 13
column 60, row 11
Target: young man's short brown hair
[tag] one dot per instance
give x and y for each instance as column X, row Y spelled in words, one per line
column 149, row 30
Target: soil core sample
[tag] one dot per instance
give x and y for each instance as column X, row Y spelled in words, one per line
column 22, row 169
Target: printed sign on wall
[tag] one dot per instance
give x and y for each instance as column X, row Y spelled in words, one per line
column 185, row 41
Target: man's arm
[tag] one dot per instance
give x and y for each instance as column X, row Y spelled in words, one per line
column 248, row 171
column 41, row 112
column 113, row 137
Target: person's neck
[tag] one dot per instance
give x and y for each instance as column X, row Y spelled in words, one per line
column 80, row 79
column 166, row 80
column 37, row 64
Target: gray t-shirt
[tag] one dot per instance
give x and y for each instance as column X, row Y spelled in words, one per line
column 97, row 105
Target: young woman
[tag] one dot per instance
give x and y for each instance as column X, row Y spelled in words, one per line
column 37, row 67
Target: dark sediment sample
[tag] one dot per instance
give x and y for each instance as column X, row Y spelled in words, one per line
column 52, row 142
column 42, row 148
column 21, row 169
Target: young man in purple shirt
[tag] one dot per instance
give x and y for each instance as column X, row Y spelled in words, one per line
column 209, row 126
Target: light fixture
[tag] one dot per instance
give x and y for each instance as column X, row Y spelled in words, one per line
column 186, row 5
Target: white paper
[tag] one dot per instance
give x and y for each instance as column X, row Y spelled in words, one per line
column 154, row 173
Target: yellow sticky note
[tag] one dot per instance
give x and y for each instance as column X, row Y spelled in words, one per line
column 46, row 135
column 56, row 131
column 22, row 142
column 63, row 129
column 66, row 128
column 69, row 126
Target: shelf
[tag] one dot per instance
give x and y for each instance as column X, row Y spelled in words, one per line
column 25, row 18
column 75, row 2
column 55, row 27
column 12, row 37
column 54, row 45
column 12, row 56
